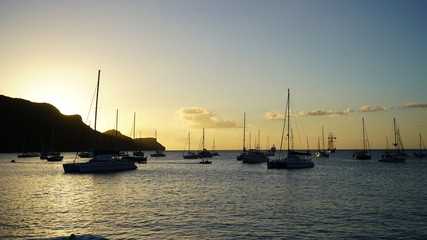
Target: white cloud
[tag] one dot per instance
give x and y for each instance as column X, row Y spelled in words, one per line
column 201, row 118
column 415, row 105
column 320, row 112
column 368, row 108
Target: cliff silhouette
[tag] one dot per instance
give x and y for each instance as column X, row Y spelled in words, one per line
column 29, row 127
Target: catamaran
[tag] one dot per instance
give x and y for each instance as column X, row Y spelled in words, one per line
column 290, row 161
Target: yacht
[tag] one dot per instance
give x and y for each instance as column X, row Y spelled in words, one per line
column 101, row 161
column 290, row 161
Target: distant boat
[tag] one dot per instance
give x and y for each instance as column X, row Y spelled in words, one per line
column 331, row 140
column 101, row 162
column 255, row 155
column 205, row 161
column 397, row 154
column 53, row 156
column 365, row 153
column 24, row 153
column 240, row 156
column 189, row 154
column 27, row 155
column 290, row 161
column 321, row 153
column 272, row 151
column 157, row 153
column 86, row 154
column 204, row 153
column 423, row 152
column 138, row 155
column 214, row 153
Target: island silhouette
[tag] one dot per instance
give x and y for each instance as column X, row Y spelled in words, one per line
column 35, row 127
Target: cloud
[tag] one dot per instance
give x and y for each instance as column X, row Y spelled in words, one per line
column 416, row 126
column 319, row 112
column 415, row 105
column 368, row 108
column 274, row 115
column 201, row 118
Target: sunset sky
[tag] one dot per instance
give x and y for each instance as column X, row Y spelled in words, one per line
column 185, row 65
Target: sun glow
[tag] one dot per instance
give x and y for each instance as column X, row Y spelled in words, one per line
column 66, row 92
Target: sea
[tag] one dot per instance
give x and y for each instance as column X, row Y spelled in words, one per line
column 174, row 198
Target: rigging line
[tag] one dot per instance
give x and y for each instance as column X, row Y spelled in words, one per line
column 90, row 107
column 283, row 129
column 295, row 116
column 86, row 124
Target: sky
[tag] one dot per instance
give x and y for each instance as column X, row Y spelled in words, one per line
column 185, row 65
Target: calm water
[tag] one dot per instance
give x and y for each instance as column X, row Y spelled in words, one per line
column 173, row 198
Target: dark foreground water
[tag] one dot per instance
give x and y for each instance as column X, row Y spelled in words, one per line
column 173, row 198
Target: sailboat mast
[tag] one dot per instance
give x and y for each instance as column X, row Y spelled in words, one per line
column 96, row 107
column 117, row 121
column 117, row 126
column 323, row 139
column 363, row 135
column 395, row 134
column 134, row 120
column 287, row 113
column 203, row 140
column 244, row 131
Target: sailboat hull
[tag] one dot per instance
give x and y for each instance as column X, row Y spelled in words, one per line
column 392, row 158
column 361, row 156
column 290, row 163
column 255, row 157
column 98, row 167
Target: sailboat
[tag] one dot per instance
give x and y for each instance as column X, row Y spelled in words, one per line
column 240, row 157
column 204, row 153
column 331, row 138
column 321, row 153
column 396, row 155
column 189, row 154
column 290, row 161
column 365, row 153
column 25, row 154
column 214, row 153
column 255, row 155
column 138, row 155
column 422, row 153
column 53, row 156
column 158, row 153
column 100, row 162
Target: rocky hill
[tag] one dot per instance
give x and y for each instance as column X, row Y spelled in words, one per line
column 30, row 127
